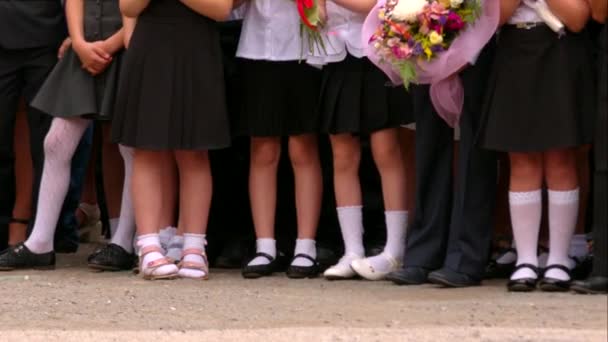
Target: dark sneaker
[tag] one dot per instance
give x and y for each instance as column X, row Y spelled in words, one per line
column 111, row 258
column 20, row 257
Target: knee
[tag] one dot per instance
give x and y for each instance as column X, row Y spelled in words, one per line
column 186, row 158
column 54, row 148
column 526, row 167
column 265, row 154
column 346, row 159
column 303, row 152
column 387, row 155
column 560, row 166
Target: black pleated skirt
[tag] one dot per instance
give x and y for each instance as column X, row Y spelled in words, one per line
column 356, row 97
column 70, row 91
column 540, row 93
column 279, row 99
column 171, row 93
column 600, row 179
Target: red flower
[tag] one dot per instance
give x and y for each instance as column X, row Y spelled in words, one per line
column 305, row 4
column 454, row 22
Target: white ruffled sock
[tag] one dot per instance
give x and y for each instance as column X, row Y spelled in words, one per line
column 193, row 242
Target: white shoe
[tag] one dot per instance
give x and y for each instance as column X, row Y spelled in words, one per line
column 342, row 269
column 363, row 268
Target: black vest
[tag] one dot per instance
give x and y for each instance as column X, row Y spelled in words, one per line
column 31, row 23
column 101, row 19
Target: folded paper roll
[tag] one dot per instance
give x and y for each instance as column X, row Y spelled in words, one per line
column 544, row 12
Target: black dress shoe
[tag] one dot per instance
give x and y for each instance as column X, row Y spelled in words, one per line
column 592, row 285
column 409, row 276
column 524, row 284
column 258, row 271
column 449, row 278
column 548, row 284
column 111, row 258
column 232, row 255
column 496, row 270
column 302, row 272
column 20, row 257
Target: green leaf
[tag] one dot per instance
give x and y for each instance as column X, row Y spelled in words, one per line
column 407, row 70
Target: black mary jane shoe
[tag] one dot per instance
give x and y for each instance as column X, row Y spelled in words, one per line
column 303, row 272
column 548, row 284
column 259, row 271
column 111, row 258
column 524, row 284
column 20, row 257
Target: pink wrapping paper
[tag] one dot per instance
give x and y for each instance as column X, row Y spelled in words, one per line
column 446, row 90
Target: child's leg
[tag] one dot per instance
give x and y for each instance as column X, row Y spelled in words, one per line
column 304, row 155
column 22, row 208
column 196, row 188
column 525, row 203
column 386, row 151
column 59, row 147
column 346, row 151
column 147, row 202
column 562, row 181
column 125, row 230
column 265, row 154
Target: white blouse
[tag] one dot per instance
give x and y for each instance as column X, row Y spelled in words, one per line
column 342, row 35
column 271, row 32
column 525, row 14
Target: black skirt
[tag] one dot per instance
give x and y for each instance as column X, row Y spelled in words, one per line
column 171, row 93
column 540, row 93
column 279, row 99
column 356, row 97
column 70, row 91
column 600, row 148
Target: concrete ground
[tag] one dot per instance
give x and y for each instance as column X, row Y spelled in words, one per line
column 73, row 304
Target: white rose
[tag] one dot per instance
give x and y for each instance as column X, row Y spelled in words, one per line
column 456, row 3
column 408, row 10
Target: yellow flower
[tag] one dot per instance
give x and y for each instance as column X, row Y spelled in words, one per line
column 435, row 38
column 428, row 53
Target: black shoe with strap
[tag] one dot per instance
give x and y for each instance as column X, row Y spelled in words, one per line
column 20, row 257
column 549, row 284
column 302, row 272
column 524, row 284
column 258, row 271
column 111, row 258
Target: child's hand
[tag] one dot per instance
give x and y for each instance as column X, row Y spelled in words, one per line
column 64, row 47
column 95, row 59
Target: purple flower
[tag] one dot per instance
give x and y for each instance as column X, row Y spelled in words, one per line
column 455, row 22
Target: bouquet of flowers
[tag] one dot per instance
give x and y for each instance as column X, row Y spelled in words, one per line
column 429, row 42
column 312, row 22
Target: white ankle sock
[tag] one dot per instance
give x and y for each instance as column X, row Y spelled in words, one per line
column 152, row 240
column 305, row 246
column 396, row 229
column 526, row 213
column 351, row 225
column 193, row 241
column 59, row 147
column 165, row 235
column 175, row 247
column 563, row 214
column 125, row 229
column 268, row 246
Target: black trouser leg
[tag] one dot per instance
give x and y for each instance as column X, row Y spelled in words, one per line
column 476, row 180
column 427, row 237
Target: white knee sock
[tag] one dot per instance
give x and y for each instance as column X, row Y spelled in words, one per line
column 59, row 147
column 305, row 246
column 193, row 241
column 351, row 225
column 563, row 214
column 144, row 241
column 268, row 246
column 126, row 224
column 526, row 213
column 396, row 228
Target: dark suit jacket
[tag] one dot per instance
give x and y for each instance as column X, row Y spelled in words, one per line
column 31, row 23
